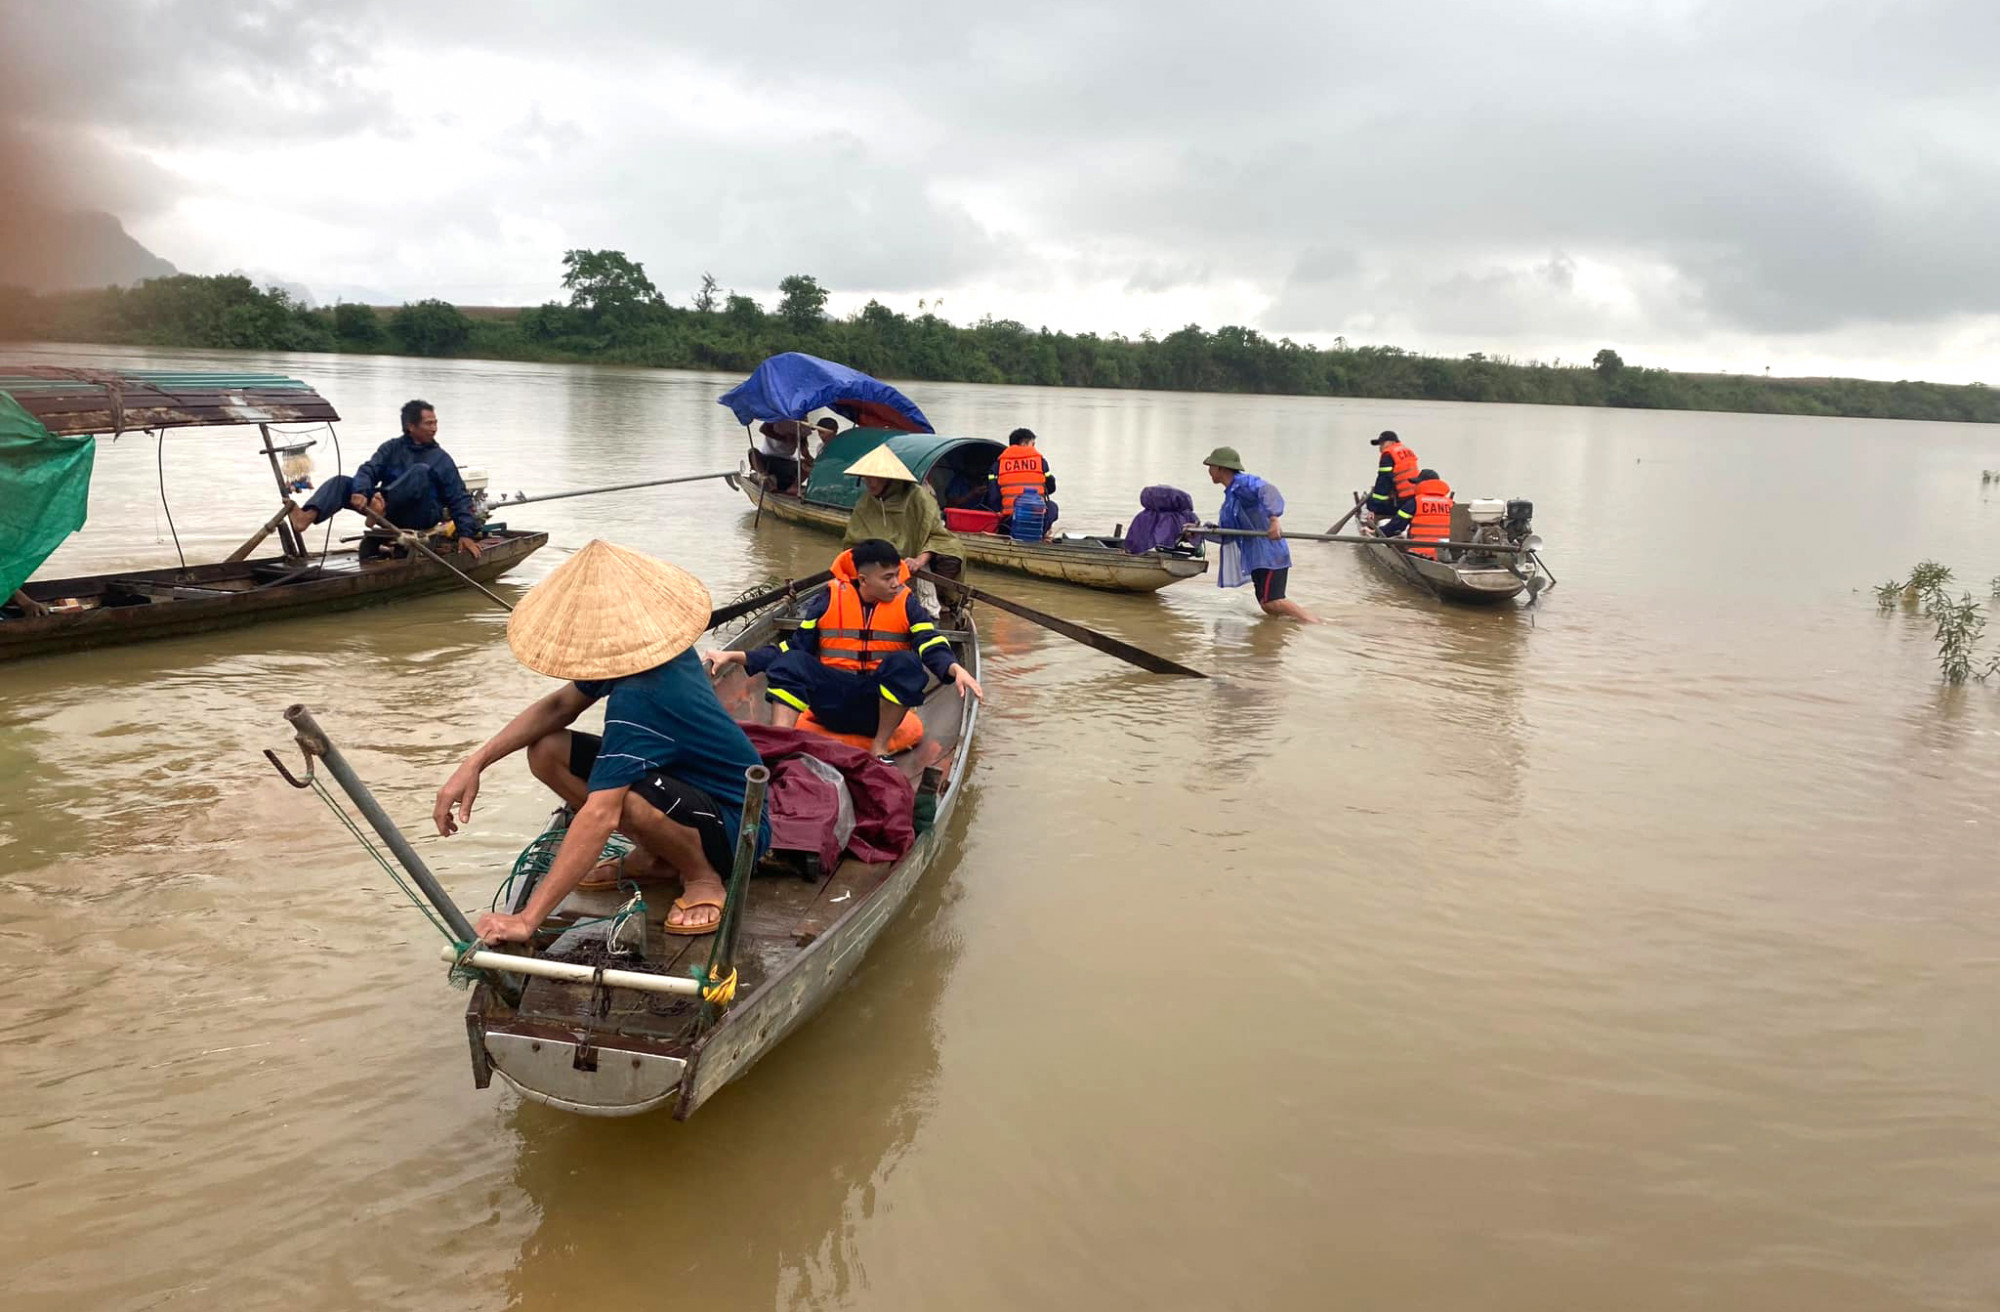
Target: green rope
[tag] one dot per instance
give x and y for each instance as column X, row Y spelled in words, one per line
column 368, row 846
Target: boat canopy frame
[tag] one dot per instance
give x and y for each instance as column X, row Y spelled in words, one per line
column 72, row 402
column 924, row 453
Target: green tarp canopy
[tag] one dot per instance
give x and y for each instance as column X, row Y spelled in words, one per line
column 44, row 491
column 830, row 485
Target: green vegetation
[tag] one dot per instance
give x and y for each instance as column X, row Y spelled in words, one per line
column 1957, row 625
column 615, row 314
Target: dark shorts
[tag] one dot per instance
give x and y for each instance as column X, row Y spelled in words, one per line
column 784, row 471
column 682, row 803
column 1270, row 584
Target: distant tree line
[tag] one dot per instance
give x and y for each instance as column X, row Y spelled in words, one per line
column 615, row 314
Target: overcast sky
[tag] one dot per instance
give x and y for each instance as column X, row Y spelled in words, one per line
column 1809, row 186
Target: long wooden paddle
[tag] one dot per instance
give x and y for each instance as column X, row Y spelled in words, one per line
column 416, row 540
column 1110, row 646
column 1341, row 523
column 738, row 609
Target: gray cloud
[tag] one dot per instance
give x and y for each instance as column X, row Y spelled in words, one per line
column 1443, row 167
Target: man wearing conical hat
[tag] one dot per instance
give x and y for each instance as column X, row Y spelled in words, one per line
column 668, row 771
column 897, row 508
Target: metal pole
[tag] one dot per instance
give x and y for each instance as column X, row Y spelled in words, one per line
column 314, row 742
column 723, row 954
column 416, row 540
column 615, row 487
column 1405, row 543
column 294, row 544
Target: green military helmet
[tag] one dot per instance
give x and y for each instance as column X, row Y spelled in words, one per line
column 1225, row 457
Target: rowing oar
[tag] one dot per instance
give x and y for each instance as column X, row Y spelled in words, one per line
column 520, row 500
column 1341, row 523
column 1404, row 543
column 736, row 610
column 1124, row 651
column 415, row 540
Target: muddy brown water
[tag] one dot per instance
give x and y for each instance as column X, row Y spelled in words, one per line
column 1637, row 952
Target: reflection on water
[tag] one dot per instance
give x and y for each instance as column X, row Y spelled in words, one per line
column 1634, row 952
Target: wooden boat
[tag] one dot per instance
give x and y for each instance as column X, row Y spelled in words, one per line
column 942, row 462
column 100, row 610
column 1460, row 573
column 52, row 415
column 613, row 1051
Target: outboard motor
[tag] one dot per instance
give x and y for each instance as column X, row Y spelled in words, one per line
column 1493, row 522
column 1520, row 520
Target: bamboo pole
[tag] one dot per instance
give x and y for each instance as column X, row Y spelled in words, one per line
column 1405, row 543
column 615, row 487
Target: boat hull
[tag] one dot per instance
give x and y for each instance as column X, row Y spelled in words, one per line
column 618, row 1053
column 1465, row 585
column 169, row 603
column 1088, row 564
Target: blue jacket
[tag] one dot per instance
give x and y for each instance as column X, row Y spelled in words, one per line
column 398, row 456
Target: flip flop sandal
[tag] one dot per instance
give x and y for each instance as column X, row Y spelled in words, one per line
column 682, row 904
column 595, row 883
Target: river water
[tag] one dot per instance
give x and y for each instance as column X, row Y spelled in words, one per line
column 1635, row 952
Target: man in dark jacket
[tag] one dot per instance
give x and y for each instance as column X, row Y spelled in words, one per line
column 409, row 481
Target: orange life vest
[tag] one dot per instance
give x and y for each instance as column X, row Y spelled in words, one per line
column 1406, row 465
column 855, row 634
column 1432, row 522
column 1020, row 468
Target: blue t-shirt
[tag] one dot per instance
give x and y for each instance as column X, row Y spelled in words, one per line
column 668, row 720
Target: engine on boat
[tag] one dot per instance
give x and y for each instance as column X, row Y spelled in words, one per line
column 1492, row 522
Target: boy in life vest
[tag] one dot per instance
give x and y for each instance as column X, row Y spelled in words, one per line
column 1019, row 468
column 863, row 655
column 1430, row 512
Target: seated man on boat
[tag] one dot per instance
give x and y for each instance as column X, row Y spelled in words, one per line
column 1251, row 505
column 1019, row 468
column 897, row 508
column 782, row 450
column 409, row 481
column 668, row 771
column 1395, row 476
column 1429, row 517
column 859, row 660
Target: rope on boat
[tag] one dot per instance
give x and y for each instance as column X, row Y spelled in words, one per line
column 388, row 867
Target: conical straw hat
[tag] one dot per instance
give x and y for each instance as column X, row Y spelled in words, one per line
column 881, row 463
column 608, row 612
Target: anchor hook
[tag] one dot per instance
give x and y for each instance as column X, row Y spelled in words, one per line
column 289, row 777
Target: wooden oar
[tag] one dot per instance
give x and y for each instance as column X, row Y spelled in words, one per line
column 1404, row 543
column 270, row 527
column 1341, row 523
column 416, row 540
column 738, row 609
column 1124, row 651
column 615, row 487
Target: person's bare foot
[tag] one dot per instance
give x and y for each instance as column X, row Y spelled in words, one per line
column 699, row 907
column 301, row 518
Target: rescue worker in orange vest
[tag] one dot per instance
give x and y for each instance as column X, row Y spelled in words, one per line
column 1020, row 467
column 1430, row 515
column 1395, row 477
column 861, row 657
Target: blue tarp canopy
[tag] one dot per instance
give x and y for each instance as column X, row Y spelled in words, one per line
column 793, row 385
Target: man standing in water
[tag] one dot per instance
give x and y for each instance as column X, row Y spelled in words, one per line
column 668, row 771
column 1251, row 504
column 409, row 481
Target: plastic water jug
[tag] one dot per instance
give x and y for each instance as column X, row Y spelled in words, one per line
column 1029, row 508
